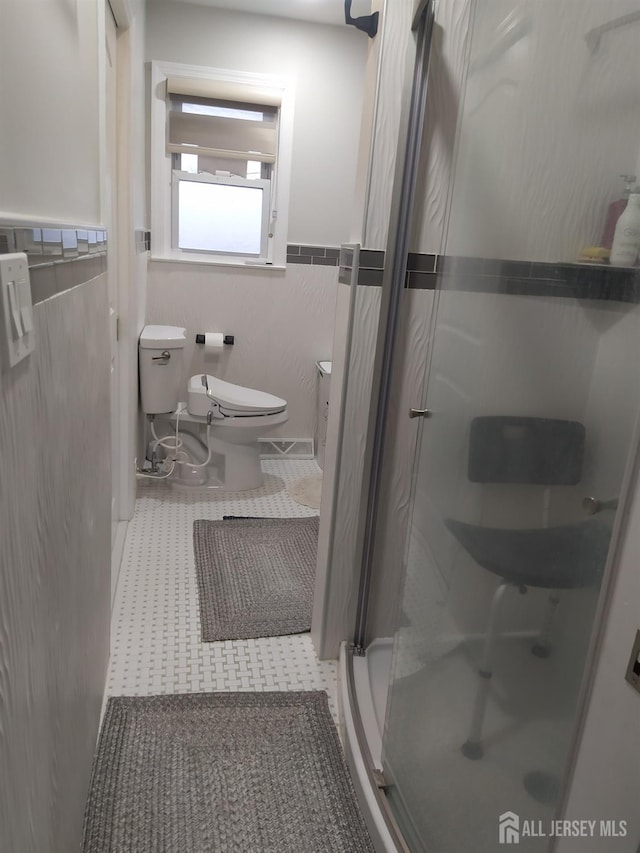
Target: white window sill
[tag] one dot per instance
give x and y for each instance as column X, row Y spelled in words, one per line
column 244, row 265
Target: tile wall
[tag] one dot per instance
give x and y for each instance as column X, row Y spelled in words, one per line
column 55, row 496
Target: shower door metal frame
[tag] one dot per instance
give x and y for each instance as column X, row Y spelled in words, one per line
column 396, row 255
column 393, row 286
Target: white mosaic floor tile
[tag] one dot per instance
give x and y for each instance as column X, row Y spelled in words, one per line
column 155, row 627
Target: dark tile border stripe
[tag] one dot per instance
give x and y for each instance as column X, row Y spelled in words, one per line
column 370, row 277
column 372, row 259
column 326, row 256
column 421, row 263
column 525, row 278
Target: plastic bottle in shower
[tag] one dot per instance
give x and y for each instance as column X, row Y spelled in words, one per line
column 626, row 241
column 615, row 211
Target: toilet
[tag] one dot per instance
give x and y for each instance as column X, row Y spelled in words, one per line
column 220, row 422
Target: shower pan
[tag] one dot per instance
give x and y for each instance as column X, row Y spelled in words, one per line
column 488, row 560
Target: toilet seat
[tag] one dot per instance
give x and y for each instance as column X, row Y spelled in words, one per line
column 224, row 399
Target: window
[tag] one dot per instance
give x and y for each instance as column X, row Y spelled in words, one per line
column 221, row 146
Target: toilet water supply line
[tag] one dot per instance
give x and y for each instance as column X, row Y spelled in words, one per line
column 172, row 443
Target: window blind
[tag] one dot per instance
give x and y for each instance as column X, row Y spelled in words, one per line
column 221, row 90
column 193, row 133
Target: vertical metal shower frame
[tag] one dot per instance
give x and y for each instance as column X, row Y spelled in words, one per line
column 396, row 254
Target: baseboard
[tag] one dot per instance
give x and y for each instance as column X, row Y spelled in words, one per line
column 291, row 448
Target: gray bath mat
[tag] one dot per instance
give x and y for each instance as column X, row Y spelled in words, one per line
column 255, row 576
column 214, row 772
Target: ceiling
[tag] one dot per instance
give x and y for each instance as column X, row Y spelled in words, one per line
column 318, row 11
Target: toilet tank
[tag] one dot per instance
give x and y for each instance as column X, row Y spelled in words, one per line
column 160, row 353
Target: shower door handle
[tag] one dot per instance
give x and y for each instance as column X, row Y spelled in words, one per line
column 592, row 506
column 420, row 413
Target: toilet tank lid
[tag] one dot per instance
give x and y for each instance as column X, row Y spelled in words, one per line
column 163, row 337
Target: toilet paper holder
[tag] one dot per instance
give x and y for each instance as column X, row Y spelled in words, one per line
column 226, row 339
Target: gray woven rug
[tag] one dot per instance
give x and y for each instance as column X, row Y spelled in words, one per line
column 255, row 576
column 221, row 773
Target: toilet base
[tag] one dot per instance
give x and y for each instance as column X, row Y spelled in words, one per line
column 238, row 470
column 243, row 478
column 234, row 467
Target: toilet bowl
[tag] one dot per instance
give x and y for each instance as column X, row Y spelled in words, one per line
column 234, row 417
column 220, row 423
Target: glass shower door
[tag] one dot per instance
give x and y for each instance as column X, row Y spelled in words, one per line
column 533, row 394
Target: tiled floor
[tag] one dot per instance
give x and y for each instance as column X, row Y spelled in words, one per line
column 155, row 629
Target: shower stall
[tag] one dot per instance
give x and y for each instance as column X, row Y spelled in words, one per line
column 499, row 459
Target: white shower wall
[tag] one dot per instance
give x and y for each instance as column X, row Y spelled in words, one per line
column 569, row 121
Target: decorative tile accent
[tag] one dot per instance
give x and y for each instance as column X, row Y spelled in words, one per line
column 143, row 240
column 526, row 278
column 319, row 255
column 346, row 256
column 52, row 243
column 370, row 268
column 69, row 243
column 370, row 277
column 29, row 240
column 372, row 259
column 345, row 265
column 7, row 241
column 155, row 645
column 421, row 280
column 421, row 262
column 47, row 244
column 58, row 258
column 83, row 242
column 298, row 259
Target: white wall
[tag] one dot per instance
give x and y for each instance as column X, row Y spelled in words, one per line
column 49, row 132
column 282, row 322
column 327, row 66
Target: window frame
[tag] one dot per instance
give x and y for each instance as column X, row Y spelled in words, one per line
column 228, row 181
column 162, row 178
